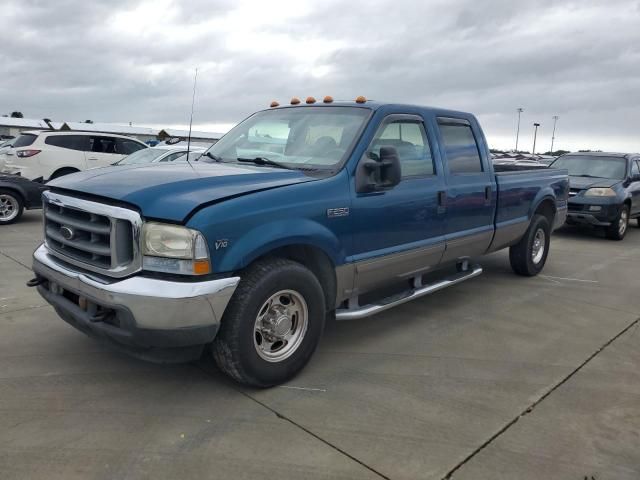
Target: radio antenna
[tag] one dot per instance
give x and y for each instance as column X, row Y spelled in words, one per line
column 193, row 101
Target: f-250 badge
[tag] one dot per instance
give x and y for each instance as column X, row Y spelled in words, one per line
column 223, row 243
column 338, row 212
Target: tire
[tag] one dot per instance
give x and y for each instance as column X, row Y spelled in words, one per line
column 620, row 225
column 244, row 348
column 528, row 256
column 11, row 206
column 62, row 172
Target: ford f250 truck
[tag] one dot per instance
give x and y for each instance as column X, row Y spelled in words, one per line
column 347, row 208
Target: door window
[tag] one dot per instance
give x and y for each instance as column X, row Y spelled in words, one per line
column 635, row 168
column 71, row 142
column 409, row 139
column 127, row 147
column 102, row 145
column 460, row 146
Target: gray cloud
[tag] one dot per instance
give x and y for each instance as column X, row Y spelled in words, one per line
column 123, row 61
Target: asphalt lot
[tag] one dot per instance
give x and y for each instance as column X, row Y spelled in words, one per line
column 501, row 377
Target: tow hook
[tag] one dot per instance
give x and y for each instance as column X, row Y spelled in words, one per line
column 34, row 282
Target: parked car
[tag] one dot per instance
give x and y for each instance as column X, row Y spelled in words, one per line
column 16, row 195
column 45, row 155
column 246, row 255
column 605, row 190
column 162, row 153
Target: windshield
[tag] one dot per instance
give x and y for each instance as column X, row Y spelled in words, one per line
column 593, row 166
column 314, row 138
column 146, row 155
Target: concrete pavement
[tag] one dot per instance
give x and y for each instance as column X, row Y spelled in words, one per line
column 440, row 386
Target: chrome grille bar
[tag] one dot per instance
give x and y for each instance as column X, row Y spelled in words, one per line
column 97, row 237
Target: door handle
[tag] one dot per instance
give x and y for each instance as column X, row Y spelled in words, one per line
column 487, row 195
column 442, row 201
column 92, row 158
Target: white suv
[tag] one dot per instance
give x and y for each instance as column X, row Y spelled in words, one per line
column 44, row 155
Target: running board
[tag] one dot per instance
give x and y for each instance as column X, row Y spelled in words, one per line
column 358, row 312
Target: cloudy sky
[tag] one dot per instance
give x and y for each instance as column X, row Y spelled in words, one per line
column 133, row 61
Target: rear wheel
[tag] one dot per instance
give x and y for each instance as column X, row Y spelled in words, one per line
column 272, row 325
column 529, row 255
column 620, row 225
column 11, row 207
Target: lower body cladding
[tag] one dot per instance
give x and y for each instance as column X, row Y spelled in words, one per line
column 154, row 319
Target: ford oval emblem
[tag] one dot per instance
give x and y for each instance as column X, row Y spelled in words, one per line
column 67, row 232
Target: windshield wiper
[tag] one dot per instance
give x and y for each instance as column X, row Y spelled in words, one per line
column 264, row 161
column 212, row 156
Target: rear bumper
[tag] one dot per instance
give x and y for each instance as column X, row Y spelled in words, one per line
column 151, row 318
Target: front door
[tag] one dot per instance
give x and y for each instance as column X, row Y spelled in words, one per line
column 471, row 196
column 400, row 232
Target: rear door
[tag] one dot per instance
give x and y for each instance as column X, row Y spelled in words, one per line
column 102, row 151
column 400, row 232
column 471, row 196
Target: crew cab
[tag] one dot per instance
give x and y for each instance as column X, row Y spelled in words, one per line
column 348, row 208
column 604, row 190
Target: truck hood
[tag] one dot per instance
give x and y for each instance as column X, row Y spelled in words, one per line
column 588, row 182
column 171, row 192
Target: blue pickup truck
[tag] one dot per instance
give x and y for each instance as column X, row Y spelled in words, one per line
column 300, row 211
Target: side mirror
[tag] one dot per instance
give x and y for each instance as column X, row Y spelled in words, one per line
column 379, row 172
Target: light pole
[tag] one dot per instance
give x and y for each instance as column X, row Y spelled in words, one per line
column 519, row 110
column 553, row 135
column 535, row 134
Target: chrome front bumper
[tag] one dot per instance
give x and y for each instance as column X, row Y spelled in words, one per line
column 143, row 312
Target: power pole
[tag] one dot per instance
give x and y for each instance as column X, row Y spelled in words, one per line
column 519, row 110
column 535, row 135
column 553, row 136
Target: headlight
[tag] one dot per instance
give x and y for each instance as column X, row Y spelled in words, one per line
column 174, row 249
column 600, row 192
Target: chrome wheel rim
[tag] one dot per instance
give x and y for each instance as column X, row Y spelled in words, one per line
column 623, row 222
column 539, row 241
column 8, row 208
column 280, row 325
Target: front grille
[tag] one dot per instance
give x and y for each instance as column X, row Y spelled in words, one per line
column 576, row 207
column 98, row 237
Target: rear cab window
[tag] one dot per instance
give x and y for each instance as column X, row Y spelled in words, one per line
column 460, row 146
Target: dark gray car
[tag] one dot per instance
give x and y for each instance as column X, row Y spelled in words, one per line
column 604, row 190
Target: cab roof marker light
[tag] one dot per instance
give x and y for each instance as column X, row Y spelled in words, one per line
column 310, row 100
column 295, row 101
column 328, row 99
column 274, row 104
column 361, row 99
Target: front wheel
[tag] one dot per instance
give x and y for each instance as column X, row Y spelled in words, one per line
column 11, row 207
column 272, row 324
column 529, row 255
column 619, row 226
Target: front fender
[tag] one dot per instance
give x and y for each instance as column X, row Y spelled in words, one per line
column 267, row 237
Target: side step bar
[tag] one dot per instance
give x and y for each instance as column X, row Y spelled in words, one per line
column 395, row 300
